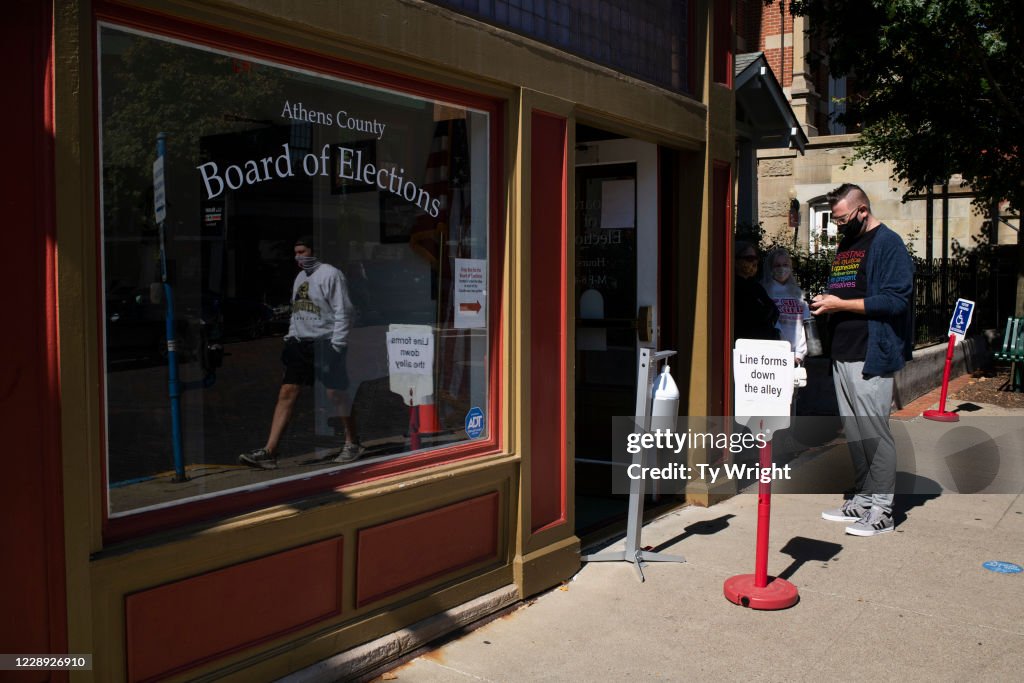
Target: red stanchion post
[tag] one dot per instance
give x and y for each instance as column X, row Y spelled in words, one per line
column 942, row 415
column 764, row 518
column 414, row 426
column 758, row 590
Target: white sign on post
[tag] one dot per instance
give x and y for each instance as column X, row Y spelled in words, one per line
column 411, row 362
column 763, row 380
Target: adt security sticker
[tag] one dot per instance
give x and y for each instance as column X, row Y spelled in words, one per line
column 475, row 422
column 1003, row 567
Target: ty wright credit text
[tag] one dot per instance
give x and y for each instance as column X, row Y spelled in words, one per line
column 668, row 440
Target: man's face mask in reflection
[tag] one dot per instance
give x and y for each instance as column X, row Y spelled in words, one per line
column 307, row 263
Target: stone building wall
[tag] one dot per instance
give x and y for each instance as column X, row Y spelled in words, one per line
column 785, row 173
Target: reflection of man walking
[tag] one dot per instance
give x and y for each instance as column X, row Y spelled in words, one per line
column 315, row 349
column 869, row 302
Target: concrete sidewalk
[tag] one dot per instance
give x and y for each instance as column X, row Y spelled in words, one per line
column 916, row 604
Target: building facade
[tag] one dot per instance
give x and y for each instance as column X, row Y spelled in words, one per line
column 514, row 198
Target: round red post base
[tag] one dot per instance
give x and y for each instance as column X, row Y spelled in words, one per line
column 778, row 594
column 941, row 416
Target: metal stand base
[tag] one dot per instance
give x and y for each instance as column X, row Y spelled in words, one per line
column 637, row 559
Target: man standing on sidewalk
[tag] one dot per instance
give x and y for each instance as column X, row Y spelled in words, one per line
column 869, row 302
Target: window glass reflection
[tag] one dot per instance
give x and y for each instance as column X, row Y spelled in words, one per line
column 323, row 255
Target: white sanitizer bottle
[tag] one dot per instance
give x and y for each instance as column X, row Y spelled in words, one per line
column 665, row 408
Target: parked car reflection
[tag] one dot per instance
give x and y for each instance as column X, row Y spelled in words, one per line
column 136, row 328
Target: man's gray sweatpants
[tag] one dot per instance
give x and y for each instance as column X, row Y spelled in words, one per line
column 865, row 404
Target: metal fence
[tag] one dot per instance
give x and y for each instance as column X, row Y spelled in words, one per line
column 989, row 278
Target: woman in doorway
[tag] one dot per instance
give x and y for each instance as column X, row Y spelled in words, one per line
column 756, row 315
column 784, row 289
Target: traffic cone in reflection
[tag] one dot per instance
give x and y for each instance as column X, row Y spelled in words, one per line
column 429, row 423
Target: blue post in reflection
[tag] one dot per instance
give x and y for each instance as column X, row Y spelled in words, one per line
column 173, row 385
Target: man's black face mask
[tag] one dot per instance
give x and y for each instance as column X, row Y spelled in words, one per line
column 851, row 226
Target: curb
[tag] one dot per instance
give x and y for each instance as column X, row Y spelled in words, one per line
column 362, row 660
column 926, row 401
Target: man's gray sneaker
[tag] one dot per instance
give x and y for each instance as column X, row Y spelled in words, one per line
column 350, row 452
column 876, row 521
column 848, row 512
column 261, row 458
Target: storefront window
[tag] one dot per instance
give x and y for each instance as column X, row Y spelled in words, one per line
column 385, row 193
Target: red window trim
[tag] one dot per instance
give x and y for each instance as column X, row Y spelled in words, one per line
column 722, row 173
column 691, row 50
column 203, row 511
column 722, row 43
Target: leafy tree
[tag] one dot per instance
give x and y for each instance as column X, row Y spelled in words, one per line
column 152, row 85
column 939, row 89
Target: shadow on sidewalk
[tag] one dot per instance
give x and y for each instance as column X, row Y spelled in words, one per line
column 804, row 550
column 702, row 528
column 912, row 490
column 902, row 504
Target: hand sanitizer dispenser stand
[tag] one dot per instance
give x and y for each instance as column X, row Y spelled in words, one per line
column 660, row 406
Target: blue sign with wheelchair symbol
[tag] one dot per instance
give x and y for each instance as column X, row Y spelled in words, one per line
column 962, row 314
column 475, row 422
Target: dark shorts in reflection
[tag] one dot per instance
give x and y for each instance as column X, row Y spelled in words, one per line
column 308, row 360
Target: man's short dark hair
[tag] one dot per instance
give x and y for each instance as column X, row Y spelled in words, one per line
column 840, row 193
column 305, row 241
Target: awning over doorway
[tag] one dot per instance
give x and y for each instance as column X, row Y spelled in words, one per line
column 763, row 114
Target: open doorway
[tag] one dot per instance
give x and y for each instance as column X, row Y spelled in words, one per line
column 618, row 298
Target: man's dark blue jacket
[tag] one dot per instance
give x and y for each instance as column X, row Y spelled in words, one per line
column 889, row 304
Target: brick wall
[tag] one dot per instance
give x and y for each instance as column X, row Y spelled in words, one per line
column 748, row 25
column 776, row 31
column 766, row 28
column 758, row 29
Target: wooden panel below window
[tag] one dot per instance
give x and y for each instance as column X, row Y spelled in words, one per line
column 398, row 555
column 188, row 622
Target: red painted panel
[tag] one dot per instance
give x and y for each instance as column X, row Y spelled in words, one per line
column 722, row 42
column 185, row 623
column 400, row 554
column 548, row 191
column 32, row 589
column 720, row 398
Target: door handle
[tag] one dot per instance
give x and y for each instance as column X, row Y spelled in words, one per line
column 645, row 324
